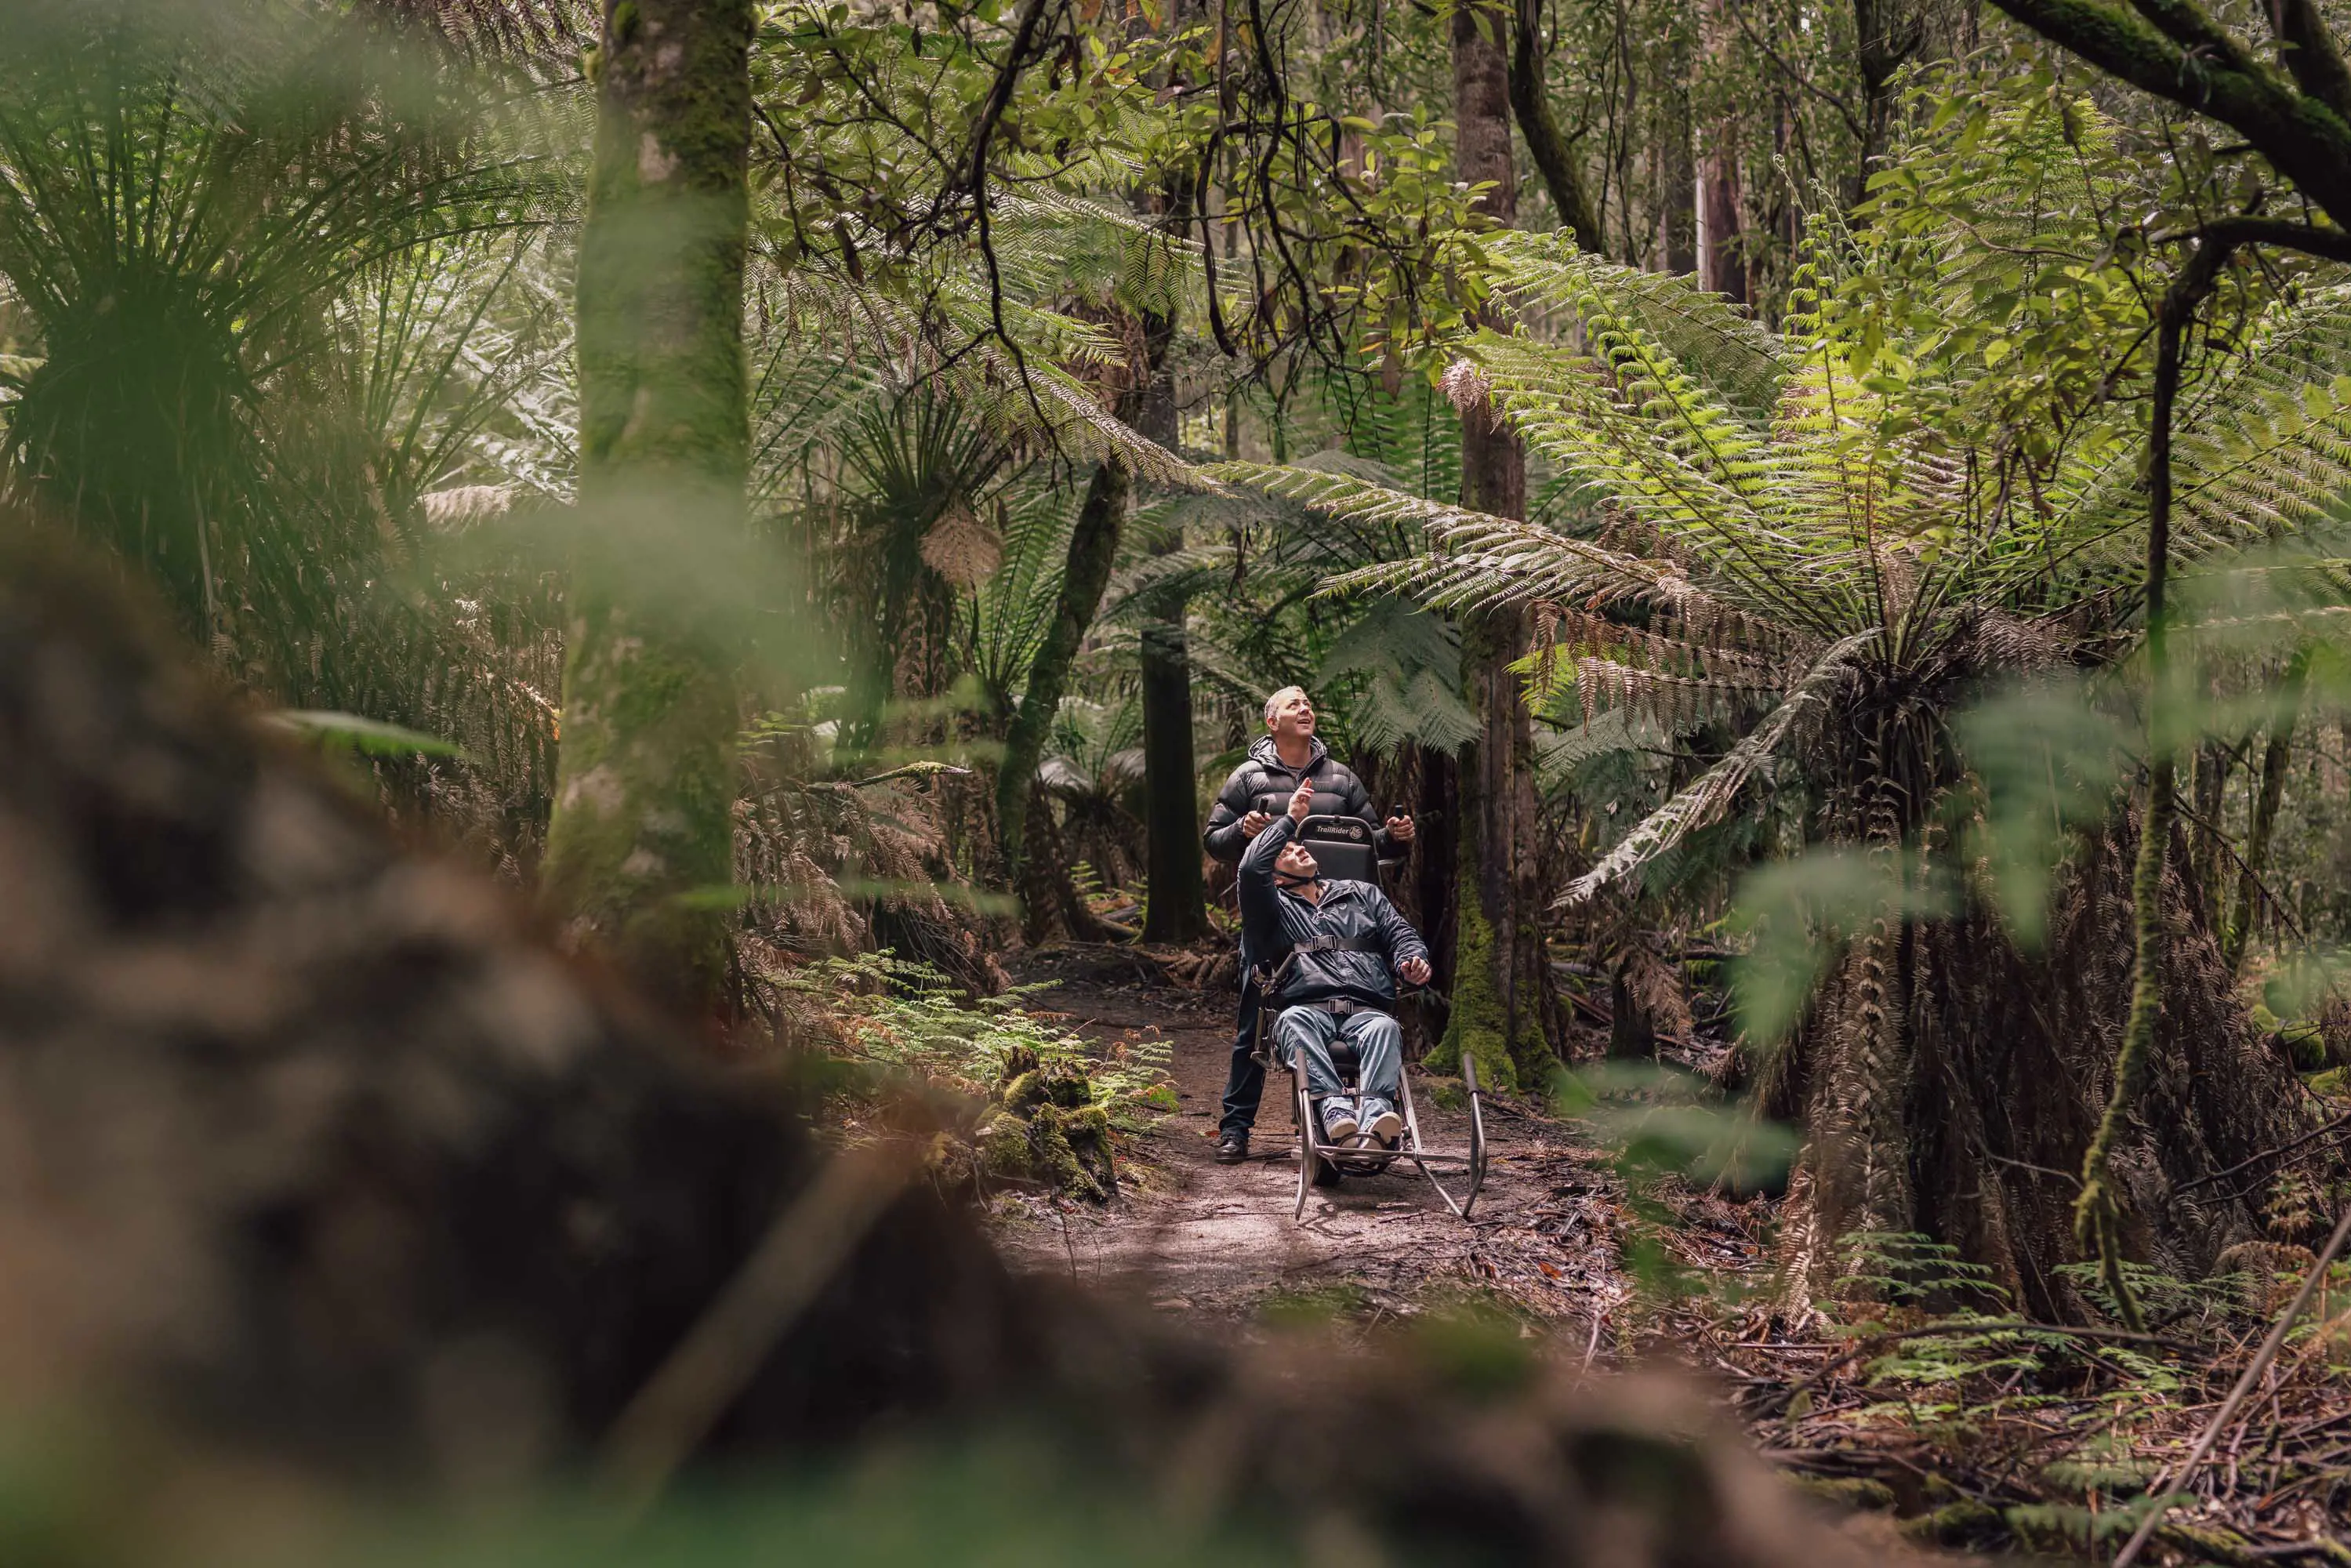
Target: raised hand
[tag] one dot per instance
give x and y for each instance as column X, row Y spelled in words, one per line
column 1414, row 971
column 1302, row 801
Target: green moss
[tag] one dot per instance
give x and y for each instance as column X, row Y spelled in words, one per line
column 1003, row 1148
column 1861, row 1493
column 1447, row 1093
column 1024, row 1090
column 1057, row 1157
column 1955, row 1524
column 2334, row 1081
column 1477, row 1025
column 1069, row 1089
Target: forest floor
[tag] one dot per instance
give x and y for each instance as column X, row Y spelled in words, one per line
column 1188, row 1234
column 2004, row 1437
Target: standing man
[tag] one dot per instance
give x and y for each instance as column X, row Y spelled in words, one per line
column 1287, row 757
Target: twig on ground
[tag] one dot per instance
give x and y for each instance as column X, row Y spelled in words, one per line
column 2282, row 1149
column 2253, row 1373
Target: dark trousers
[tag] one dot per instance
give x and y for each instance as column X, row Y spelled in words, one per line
column 1245, row 1083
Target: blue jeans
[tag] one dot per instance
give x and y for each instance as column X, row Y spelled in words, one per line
column 1378, row 1040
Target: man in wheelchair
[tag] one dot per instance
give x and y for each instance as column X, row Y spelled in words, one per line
column 1333, row 952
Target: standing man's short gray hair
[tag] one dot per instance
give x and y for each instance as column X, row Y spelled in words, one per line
column 1274, row 701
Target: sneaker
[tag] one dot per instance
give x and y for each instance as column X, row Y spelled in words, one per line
column 1232, row 1148
column 1381, row 1123
column 1338, row 1120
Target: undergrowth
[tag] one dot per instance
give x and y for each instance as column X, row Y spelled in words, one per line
column 1030, row 1104
column 908, row 1018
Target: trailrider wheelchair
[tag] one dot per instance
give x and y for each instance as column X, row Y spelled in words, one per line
column 1343, row 851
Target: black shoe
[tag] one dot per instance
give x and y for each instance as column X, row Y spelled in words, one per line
column 1233, row 1147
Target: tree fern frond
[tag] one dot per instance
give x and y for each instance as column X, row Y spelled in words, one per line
column 1485, row 560
column 1806, row 703
column 1739, row 361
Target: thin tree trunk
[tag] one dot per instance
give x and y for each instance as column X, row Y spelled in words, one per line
column 1886, row 35
column 1498, row 1012
column 1093, row 546
column 2208, row 784
column 646, row 779
column 2275, row 757
column 2098, row 1211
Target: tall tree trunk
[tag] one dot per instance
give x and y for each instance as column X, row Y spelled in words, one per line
column 1093, row 546
column 1676, row 249
column 1178, row 907
column 646, row 781
column 1545, row 142
column 1500, row 976
column 1721, row 255
column 1177, row 910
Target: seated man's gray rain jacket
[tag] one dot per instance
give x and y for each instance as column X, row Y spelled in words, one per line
column 1274, row 922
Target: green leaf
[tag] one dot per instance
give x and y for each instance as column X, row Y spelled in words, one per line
column 367, row 737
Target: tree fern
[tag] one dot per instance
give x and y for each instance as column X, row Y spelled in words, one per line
column 1824, row 550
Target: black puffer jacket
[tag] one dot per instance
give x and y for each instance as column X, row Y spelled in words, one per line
column 1265, row 783
column 1274, row 921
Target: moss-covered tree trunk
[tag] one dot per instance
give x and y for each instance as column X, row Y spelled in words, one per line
column 1546, row 142
column 643, row 829
column 1501, row 979
column 1093, row 546
column 2012, row 1062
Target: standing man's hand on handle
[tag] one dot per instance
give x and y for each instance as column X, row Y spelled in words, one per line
column 1400, row 831
column 1255, row 823
column 1414, row 971
column 1302, row 800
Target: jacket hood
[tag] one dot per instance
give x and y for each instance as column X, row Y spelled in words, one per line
column 1261, row 752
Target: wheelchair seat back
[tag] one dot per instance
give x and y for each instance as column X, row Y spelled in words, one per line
column 1342, row 848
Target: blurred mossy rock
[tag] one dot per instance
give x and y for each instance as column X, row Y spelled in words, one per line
column 316, row 1161
column 1044, row 1127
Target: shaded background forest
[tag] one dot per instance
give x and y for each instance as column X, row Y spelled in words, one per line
column 1830, row 517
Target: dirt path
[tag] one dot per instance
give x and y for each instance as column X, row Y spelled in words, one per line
column 1191, row 1235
